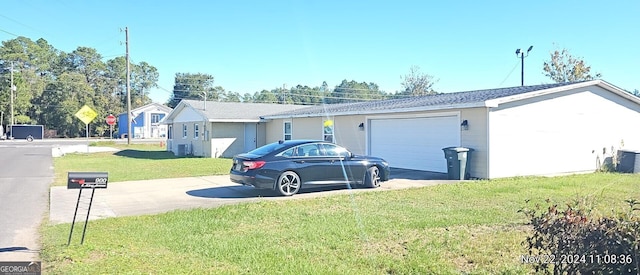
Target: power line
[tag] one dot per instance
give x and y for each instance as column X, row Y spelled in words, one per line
column 505, row 79
column 161, row 88
column 292, row 92
column 292, row 88
column 114, row 55
column 1, row 30
column 311, row 96
column 19, row 23
column 335, row 90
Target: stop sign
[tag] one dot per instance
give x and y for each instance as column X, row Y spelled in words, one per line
column 111, row 119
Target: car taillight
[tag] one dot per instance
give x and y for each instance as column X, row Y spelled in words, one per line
column 250, row 165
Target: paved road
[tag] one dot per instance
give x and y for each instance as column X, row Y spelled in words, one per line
column 26, row 174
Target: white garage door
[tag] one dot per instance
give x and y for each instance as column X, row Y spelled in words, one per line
column 414, row 143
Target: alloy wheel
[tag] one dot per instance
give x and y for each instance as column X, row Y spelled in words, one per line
column 288, row 183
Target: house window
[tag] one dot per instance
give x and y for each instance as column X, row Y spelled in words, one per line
column 196, row 131
column 170, row 132
column 155, row 118
column 287, row 130
column 327, row 130
column 184, row 130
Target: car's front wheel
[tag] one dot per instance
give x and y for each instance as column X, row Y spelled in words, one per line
column 372, row 177
column 288, row 183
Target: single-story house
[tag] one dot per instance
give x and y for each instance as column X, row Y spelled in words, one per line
column 145, row 121
column 218, row 129
column 519, row 131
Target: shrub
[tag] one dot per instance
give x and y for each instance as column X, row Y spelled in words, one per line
column 577, row 241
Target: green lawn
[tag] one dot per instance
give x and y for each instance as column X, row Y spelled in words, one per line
column 472, row 227
column 138, row 162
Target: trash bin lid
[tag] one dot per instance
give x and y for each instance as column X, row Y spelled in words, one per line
column 630, row 151
column 457, row 149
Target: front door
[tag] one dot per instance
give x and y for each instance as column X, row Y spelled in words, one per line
column 250, row 136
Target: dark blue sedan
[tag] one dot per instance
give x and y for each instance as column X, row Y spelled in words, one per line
column 288, row 166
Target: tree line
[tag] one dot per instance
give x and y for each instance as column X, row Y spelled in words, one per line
column 50, row 86
column 198, row 86
column 561, row 67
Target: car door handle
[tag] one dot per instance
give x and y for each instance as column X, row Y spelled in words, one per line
column 299, row 161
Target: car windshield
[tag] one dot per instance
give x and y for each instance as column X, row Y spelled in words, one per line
column 271, row 147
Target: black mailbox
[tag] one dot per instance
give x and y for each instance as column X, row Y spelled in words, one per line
column 78, row 180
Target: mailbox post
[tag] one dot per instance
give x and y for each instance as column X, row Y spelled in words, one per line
column 85, row 180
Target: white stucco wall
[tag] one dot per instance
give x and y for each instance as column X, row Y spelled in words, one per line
column 560, row 133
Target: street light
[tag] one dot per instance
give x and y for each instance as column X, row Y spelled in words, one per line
column 522, row 56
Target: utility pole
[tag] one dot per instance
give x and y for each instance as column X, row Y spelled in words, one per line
column 205, row 100
column 284, row 94
column 522, row 56
column 126, row 32
column 13, row 90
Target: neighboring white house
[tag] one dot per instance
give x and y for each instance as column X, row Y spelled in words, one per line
column 218, row 129
column 145, row 121
column 518, row 131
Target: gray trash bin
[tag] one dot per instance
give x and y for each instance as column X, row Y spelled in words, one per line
column 627, row 161
column 457, row 162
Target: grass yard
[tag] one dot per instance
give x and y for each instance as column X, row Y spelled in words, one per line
column 138, row 162
column 472, row 227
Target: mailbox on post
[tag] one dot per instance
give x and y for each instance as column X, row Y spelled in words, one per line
column 81, row 181
column 78, row 180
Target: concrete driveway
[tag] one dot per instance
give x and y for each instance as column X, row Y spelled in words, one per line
column 164, row 195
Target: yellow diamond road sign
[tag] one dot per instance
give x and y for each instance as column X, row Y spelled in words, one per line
column 86, row 114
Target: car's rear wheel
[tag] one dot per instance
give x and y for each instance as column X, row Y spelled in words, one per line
column 288, row 183
column 372, row 177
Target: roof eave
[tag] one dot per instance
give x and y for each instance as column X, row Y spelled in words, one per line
column 248, row 120
column 598, row 82
column 385, row 111
column 181, row 106
column 619, row 91
column 501, row 100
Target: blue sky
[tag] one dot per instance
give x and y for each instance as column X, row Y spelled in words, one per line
column 253, row 45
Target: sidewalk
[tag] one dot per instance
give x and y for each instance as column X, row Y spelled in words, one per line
column 163, row 195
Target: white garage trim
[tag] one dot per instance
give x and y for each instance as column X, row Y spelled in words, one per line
column 488, row 144
column 413, row 141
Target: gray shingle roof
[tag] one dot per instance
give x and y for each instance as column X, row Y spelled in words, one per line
column 239, row 111
column 439, row 100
